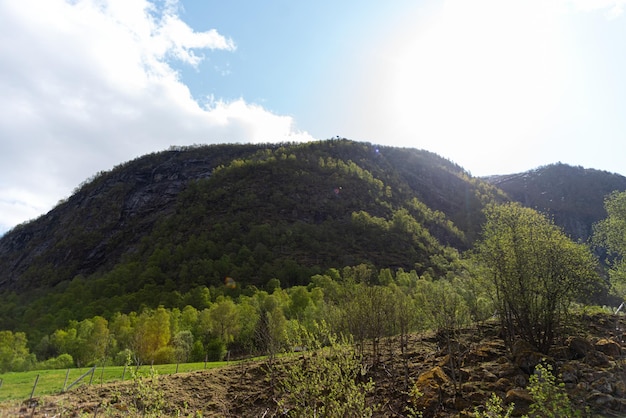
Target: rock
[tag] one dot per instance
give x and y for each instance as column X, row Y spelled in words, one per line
column 502, row 385
column 609, row 347
column 521, row 398
column 527, row 360
column 569, row 374
column 602, row 385
column 578, row 347
column 434, row 377
column 619, row 388
column 521, row 346
column 602, row 400
column 596, row 359
column 488, row 351
column 431, row 384
column 507, row 370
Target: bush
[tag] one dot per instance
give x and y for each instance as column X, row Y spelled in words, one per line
column 64, row 361
column 495, row 409
column 216, row 350
column 165, row 355
column 328, row 380
column 123, row 358
column 550, row 398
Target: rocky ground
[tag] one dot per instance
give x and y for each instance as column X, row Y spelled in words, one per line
column 454, row 377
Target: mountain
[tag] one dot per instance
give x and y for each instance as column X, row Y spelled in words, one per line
column 572, row 196
column 163, row 228
column 157, row 229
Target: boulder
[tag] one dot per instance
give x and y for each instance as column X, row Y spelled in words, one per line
column 578, row 347
column 609, row 347
column 488, row 351
column 521, row 398
column 569, row 374
column 596, row 359
column 432, row 385
column 603, row 385
column 602, row 400
column 528, row 360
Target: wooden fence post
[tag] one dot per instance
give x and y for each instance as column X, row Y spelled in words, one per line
column 67, row 375
column 102, row 374
column 32, row 393
column 92, row 370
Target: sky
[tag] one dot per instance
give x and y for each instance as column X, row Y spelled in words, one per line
column 497, row 86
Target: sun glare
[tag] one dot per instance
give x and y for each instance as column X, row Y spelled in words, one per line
column 480, row 75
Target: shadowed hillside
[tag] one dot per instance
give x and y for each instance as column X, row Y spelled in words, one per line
column 573, row 196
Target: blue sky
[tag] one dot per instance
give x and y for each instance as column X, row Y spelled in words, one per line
column 498, row 86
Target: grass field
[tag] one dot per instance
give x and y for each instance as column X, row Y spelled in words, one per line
column 19, row 385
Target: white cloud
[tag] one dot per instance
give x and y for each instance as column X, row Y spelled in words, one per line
column 612, row 8
column 87, row 84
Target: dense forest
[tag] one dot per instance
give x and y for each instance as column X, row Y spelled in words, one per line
column 208, row 251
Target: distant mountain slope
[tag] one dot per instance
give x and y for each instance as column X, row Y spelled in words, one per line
column 573, row 196
column 169, row 222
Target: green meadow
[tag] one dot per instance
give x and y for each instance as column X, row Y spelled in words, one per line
column 19, row 385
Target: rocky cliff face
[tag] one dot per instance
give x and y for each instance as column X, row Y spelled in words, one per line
column 104, row 217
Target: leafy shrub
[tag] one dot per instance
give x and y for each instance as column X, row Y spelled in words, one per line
column 495, row 409
column 550, row 398
column 63, row 361
column 216, row 350
column 328, row 380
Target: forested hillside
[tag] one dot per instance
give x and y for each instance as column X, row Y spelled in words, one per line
column 573, row 196
column 154, row 230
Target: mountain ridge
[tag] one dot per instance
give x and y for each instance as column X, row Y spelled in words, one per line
column 155, row 229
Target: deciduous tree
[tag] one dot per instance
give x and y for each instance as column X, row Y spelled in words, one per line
column 536, row 271
column 14, row 355
column 611, row 234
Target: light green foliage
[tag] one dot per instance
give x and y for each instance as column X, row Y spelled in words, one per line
column 611, row 234
column 63, row 361
column 476, row 290
column 444, row 307
column 146, row 398
column 325, row 381
column 535, row 269
column 414, row 395
column 550, row 398
column 182, row 344
column 495, row 409
column 86, row 341
column 14, row 353
column 151, row 333
column 224, row 317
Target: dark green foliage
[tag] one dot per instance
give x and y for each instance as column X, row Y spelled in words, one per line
column 216, row 350
column 155, row 230
column 572, row 196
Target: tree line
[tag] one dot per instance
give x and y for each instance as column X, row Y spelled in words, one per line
column 524, row 271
